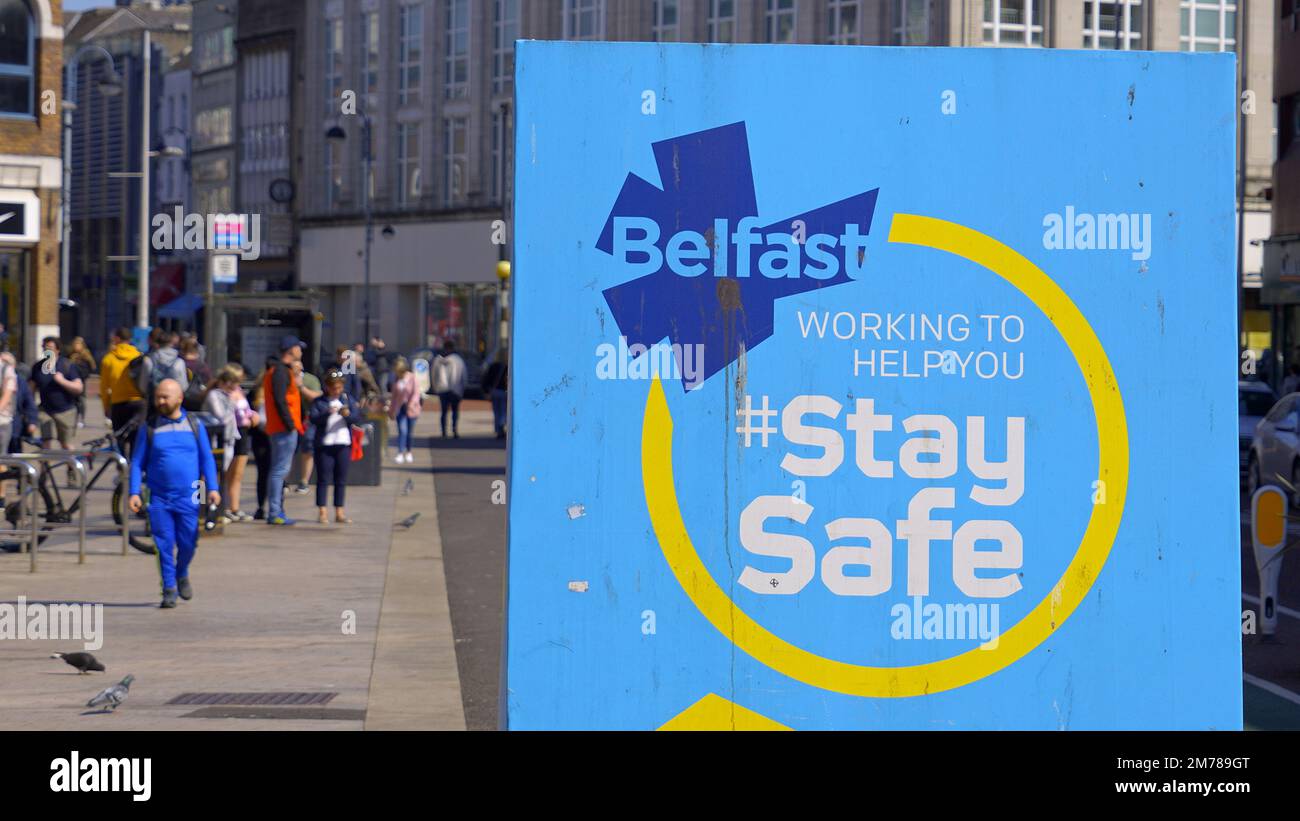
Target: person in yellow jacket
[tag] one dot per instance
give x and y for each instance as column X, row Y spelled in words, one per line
column 117, row 389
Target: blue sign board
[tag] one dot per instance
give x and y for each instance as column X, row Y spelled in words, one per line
column 873, row 388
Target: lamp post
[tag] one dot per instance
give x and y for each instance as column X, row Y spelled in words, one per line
column 142, row 307
column 111, row 86
column 338, row 135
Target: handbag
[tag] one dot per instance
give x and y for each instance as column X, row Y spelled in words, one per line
column 358, row 436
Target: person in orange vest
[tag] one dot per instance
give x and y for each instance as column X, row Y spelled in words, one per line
column 283, row 423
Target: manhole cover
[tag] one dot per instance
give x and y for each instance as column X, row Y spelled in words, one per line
column 245, row 699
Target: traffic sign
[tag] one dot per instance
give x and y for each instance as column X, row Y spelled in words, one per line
column 872, row 388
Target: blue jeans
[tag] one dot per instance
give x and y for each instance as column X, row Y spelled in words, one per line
column 498, row 409
column 282, row 447
column 175, row 525
column 404, row 425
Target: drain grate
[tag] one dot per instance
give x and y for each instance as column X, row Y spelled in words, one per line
column 306, row 713
column 248, row 699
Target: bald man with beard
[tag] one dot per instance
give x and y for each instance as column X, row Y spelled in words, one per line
column 172, row 452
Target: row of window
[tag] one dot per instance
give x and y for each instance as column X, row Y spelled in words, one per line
column 408, row 149
column 1204, row 25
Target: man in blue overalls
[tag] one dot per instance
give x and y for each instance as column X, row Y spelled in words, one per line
column 173, row 450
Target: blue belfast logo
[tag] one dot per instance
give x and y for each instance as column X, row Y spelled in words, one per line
column 705, row 270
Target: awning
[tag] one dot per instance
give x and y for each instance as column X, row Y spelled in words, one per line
column 183, row 307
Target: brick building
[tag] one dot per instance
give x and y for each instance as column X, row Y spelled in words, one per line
column 31, row 172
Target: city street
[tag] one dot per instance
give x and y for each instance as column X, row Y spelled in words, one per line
column 271, row 604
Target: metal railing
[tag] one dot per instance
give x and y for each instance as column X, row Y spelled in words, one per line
column 32, row 495
column 28, row 478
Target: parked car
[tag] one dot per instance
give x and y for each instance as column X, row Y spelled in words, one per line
column 1272, row 443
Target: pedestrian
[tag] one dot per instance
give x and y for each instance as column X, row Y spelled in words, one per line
column 332, row 415
column 162, row 362
column 58, row 383
column 172, row 451
column 193, row 356
column 404, row 407
column 449, row 383
column 225, row 400
column 496, row 381
column 117, row 389
column 261, row 443
column 379, row 358
column 1292, row 382
column 310, row 388
column 26, row 416
column 84, row 361
column 283, row 423
column 358, row 381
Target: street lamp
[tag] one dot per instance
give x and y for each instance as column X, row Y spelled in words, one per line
column 109, row 86
column 336, row 134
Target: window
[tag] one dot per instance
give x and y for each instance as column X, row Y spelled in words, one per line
column 779, row 21
column 334, row 173
column 17, row 58
column 370, row 57
column 214, row 49
column 333, row 65
column 1207, row 25
column 456, row 82
column 408, row 164
column 664, row 28
column 457, row 163
column 212, row 128
column 842, row 22
column 722, row 21
column 584, row 19
column 1101, row 21
column 409, row 56
column 1013, row 22
column 911, row 22
column 500, row 170
column 505, row 32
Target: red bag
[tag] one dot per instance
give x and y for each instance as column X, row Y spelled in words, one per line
column 357, row 451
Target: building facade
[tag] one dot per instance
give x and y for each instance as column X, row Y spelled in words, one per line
column 1281, row 294
column 31, row 172
column 107, row 141
column 436, row 79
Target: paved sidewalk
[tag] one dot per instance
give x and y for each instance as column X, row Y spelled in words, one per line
column 269, row 614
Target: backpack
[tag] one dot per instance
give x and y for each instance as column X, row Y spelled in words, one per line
column 195, row 394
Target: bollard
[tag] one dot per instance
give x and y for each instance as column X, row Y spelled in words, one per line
column 1268, row 532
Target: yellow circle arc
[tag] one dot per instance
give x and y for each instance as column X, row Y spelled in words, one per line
column 945, row 674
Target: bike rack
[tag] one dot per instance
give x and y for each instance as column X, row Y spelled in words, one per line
column 123, row 478
column 27, row 474
column 50, row 459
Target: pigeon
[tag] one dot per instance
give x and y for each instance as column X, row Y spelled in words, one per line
column 111, row 697
column 408, row 487
column 409, row 520
column 84, row 662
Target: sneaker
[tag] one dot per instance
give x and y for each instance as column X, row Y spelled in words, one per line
column 259, row 515
column 245, row 516
column 230, row 517
column 281, row 521
column 302, row 489
column 183, row 587
column 169, row 599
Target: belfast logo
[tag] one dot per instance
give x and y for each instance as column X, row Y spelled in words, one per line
column 707, row 270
